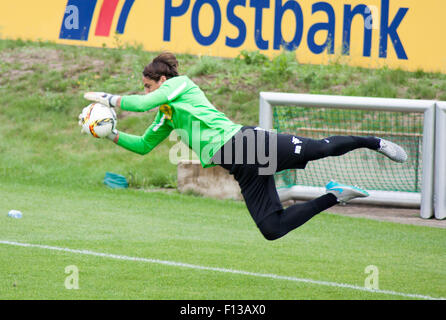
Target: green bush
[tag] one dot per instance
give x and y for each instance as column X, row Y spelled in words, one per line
column 254, row 58
column 281, row 68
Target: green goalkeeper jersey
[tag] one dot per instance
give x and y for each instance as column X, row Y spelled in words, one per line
column 183, row 107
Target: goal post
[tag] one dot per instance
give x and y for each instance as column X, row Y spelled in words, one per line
column 440, row 162
column 408, row 122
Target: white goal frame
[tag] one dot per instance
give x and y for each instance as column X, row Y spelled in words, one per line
column 423, row 200
column 440, row 161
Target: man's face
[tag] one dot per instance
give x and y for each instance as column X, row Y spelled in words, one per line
column 151, row 85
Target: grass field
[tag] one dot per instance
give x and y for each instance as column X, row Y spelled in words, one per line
column 143, row 244
column 201, row 232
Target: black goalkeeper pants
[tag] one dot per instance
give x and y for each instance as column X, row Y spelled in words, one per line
column 253, row 155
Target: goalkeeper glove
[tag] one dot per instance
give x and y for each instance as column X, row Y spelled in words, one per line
column 114, row 135
column 106, row 99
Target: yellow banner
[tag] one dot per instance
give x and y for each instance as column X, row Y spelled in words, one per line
column 369, row 33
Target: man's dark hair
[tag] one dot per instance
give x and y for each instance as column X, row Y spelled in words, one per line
column 165, row 64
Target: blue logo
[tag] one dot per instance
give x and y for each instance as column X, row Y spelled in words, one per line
column 78, row 17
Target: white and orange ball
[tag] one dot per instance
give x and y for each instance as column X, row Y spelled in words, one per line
column 98, row 120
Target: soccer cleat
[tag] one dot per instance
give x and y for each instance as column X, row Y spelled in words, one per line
column 345, row 193
column 392, row 151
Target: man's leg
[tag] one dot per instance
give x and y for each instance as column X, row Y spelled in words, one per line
column 337, row 146
column 263, row 203
column 261, row 197
column 294, row 152
column 279, row 223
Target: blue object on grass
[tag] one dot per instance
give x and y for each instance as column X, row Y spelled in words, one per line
column 115, row 181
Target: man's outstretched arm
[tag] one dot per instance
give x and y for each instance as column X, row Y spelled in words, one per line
column 154, row 135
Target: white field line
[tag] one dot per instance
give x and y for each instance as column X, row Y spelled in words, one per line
column 223, row 270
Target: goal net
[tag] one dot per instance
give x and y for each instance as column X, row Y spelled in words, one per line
column 364, row 167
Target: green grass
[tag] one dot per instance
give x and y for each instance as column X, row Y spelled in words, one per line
column 202, row 232
column 54, row 176
column 42, row 84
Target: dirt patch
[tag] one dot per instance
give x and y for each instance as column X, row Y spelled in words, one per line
column 398, row 215
column 19, row 63
column 389, row 214
column 204, row 80
column 29, row 57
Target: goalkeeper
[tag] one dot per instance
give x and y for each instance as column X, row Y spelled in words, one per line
column 252, row 155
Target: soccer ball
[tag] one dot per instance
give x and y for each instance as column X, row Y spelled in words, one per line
column 98, row 120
